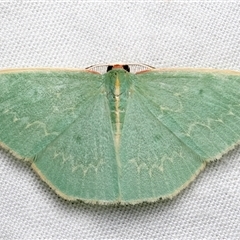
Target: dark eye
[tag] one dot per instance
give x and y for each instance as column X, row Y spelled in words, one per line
column 126, row 67
column 109, row 68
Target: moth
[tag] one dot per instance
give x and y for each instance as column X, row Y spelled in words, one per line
column 119, row 135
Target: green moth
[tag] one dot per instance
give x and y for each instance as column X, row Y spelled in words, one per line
column 119, row 137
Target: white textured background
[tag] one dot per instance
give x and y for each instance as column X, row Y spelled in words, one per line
column 162, row 34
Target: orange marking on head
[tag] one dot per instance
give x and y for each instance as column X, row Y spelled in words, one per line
column 118, row 66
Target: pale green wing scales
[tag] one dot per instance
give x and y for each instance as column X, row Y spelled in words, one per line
column 201, row 108
column 60, row 121
column 81, row 160
column 175, row 122
column 155, row 163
